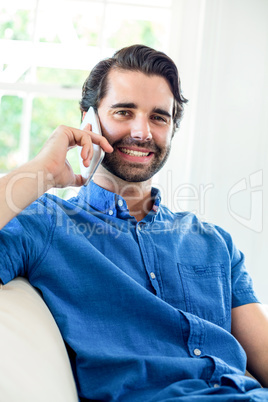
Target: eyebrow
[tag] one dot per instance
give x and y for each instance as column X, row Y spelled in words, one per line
column 161, row 111
column 130, row 105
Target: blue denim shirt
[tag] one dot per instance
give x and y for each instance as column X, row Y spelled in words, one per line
column 144, row 307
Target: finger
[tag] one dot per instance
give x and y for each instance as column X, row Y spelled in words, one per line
column 102, row 142
column 90, row 154
column 88, row 127
column 86, row 143
column 99, row 140
column 85, row 137
column 87, row 150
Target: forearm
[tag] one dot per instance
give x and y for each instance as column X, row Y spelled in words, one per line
column 20, row 188
column 250, row 327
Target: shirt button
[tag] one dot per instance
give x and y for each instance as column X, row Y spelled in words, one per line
column 152, row 275
column 111, row 212
column 120, row 203
column 197, row 352
column 216, row 385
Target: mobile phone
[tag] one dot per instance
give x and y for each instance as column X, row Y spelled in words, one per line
column 98, row 153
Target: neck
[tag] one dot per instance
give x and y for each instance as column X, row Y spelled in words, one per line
column 137, row 195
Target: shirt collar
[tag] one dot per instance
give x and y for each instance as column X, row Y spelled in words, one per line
column 111, row 203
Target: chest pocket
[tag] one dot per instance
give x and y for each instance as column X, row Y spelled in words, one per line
column 206, row 291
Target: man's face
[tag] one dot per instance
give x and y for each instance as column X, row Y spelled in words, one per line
column 136, row 119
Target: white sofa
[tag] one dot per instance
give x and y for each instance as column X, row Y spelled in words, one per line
column 34, row 365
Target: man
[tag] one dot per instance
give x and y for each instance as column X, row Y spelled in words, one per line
column 145, row 299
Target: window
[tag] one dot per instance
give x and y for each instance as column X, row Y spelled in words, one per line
column 48, row 48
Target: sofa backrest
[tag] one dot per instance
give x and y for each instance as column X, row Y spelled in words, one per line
column 34, row 364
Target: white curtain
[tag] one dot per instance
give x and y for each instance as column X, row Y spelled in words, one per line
column 218, row 165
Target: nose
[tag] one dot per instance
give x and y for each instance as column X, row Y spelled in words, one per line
column 141, row 130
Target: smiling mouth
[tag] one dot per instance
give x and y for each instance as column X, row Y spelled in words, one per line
column 134, row 153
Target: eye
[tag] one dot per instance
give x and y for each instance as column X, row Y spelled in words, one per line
column 159, row 118
column 122, row 112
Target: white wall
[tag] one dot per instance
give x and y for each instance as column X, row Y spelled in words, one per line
column 220, row 150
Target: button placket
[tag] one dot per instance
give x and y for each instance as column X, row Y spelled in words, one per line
column 140, row 226
column 147, row 250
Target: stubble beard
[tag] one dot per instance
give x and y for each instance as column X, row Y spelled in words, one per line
column 135, row 172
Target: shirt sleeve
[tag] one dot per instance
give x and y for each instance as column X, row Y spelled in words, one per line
column 25, row 239
column 241, row 282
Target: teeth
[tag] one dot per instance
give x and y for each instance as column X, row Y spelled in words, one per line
column 134, row 153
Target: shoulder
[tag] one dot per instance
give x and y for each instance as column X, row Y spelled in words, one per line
column 45, row 206
column 190, row 225
column 50, row 204
column 190, row 221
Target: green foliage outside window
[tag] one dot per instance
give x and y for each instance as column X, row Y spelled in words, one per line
column 141, row 31
column 10, row 123
column 17, row 26
column 64, row 77
column 48, row 113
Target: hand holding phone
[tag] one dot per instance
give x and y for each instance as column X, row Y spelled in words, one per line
column 98, row 153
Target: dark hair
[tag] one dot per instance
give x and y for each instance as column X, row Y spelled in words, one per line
column 137, row 58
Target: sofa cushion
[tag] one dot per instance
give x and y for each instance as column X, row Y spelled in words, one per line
column 34, row 364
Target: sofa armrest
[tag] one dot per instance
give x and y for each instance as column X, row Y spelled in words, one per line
column 34, row 364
